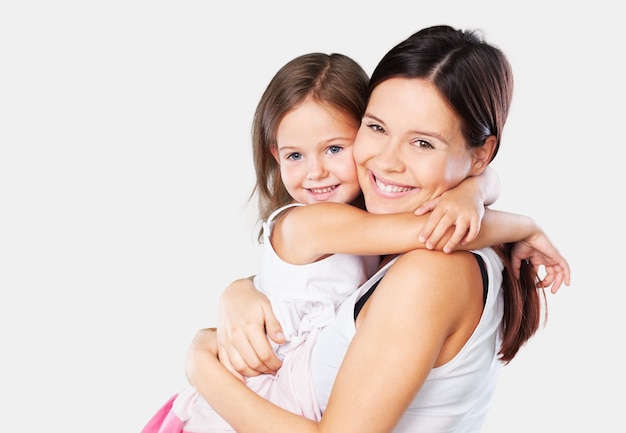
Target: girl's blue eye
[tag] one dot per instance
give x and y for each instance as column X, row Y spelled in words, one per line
column 335, row 149
column 294, row 156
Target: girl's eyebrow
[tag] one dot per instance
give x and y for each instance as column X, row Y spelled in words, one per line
column 329, row 140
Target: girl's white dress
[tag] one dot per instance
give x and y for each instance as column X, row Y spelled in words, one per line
column 305, row 299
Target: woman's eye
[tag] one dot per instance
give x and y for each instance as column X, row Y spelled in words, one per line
column 294, row 156
column 423, row 144
column 334, row 149
column 376, row 128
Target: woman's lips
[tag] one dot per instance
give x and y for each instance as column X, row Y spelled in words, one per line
column 387, row 187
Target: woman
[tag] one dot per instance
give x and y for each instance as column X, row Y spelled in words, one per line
column 419, row 346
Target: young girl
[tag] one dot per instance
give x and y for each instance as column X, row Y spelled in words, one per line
column 303, row 132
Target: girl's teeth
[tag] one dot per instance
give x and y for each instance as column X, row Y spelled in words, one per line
column 322, row 190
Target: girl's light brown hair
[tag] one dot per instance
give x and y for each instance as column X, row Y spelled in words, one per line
column 334, row 80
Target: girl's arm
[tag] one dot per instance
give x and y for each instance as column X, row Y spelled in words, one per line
column 304, row 235
column 307, row 233
column 531, row 244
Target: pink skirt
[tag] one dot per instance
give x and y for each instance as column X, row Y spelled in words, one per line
column 290, row 388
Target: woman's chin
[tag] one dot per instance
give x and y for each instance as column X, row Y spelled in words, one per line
column 384, row 208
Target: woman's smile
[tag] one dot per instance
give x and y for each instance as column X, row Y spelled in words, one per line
column 409, row 148
column 387, row 187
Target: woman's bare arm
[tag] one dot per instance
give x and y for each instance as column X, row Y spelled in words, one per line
column 400, row 302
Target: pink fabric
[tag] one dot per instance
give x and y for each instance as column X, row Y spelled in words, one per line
column 165, row 420
column 291, row 388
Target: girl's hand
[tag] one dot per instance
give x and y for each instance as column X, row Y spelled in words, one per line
column 246, row 319
column 462, row 209
column 462, row 213
column 538, row 250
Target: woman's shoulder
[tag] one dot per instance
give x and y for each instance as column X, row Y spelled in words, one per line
column 426, row 268
column 442, row 288
column 439, row 258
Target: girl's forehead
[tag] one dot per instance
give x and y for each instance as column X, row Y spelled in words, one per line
column 315, row 124
column 317, row 115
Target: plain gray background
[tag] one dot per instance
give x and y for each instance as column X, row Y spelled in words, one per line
column 125, row 171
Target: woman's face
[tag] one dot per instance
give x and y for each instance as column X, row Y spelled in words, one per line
column 409, row 148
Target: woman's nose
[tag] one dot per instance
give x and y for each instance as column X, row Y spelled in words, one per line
column 389, row 158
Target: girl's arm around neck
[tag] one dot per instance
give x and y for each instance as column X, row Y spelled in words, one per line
column 307, row 233
column 501, row 227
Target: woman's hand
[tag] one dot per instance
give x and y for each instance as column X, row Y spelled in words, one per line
column 538, row 250
column 246, row 320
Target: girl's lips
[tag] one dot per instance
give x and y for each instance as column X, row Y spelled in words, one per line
column 322, row 190
column 322, row 193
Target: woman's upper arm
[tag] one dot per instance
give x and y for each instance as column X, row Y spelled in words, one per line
column 396, row 344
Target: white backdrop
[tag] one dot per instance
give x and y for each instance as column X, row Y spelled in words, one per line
column 125, row 170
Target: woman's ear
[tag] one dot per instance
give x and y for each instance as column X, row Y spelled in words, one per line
column 483, row 154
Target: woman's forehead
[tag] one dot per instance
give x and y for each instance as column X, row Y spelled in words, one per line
column 413, row 105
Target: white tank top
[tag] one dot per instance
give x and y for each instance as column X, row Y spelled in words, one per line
column 456, row 395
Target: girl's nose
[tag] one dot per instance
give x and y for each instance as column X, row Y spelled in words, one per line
column 315, row 169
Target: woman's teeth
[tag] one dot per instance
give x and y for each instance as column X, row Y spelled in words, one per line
column 391, row 188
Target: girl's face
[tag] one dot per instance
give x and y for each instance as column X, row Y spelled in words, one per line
column 314, row 151
column 409, row 148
